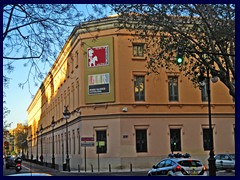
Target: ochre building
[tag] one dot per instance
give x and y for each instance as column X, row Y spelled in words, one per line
column 120, row 117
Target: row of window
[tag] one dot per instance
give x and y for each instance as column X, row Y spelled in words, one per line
column 138, row 51
column 140, row 140
column 175, row 140
column 69, row 96
column 74, row 143
column 139, row 89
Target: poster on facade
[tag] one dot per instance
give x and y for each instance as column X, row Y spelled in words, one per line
column 98, row 84
column 97, row 56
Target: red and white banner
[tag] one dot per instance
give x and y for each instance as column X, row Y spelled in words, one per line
column 97, row 56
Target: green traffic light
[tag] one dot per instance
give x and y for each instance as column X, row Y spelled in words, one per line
column 180, row 54
column 179, row 60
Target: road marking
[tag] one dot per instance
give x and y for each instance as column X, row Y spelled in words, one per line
column 26, row 167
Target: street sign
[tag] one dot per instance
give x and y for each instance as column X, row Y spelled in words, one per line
column 87, row 144
column 87, row 138
column 100, row 143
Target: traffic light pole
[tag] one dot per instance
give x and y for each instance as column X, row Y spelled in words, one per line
column 211, row 159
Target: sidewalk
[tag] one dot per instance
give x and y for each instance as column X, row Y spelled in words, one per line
column 88, row 170
column 106, row 171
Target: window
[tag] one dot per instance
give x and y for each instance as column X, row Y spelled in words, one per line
column 139, row 88
column 69, row 142
column 58, row 144
column 173, row 88
column 141, row 140
column 77, row 59
column 79, row 140
column 204, row 93
column 175, row 139
column 77, row 89
column 168, row 163
column 206, row 139
column 161, row 164
column 72, row 64
column 234, row 135
column 102, row 141
column 62, row 145
column 138, row 50
column 233, row 82
column 74, row 143
column 68, row 95
column 73, row 95
column 68, row 69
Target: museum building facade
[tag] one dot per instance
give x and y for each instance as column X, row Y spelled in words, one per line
column 120, row 116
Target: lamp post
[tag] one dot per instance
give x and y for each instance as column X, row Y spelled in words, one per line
column 41, row 157
column 211, row 159
column 66, row 115
column 31, row 147
column 37, row 145
column 53, row 158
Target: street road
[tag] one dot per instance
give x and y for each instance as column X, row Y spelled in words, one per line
column 32, row 167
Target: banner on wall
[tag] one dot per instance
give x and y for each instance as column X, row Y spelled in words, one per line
column 98, row 84
column 97, row 56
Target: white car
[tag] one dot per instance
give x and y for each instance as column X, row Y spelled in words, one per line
column 178, row 165
column 225, row 161
column 31, row 174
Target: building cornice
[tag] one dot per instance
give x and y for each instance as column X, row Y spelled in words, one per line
column 86, row 27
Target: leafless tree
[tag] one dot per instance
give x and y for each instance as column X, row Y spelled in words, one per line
column 6, row 112
column 35, row 33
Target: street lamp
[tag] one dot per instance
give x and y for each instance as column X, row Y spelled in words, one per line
column 66, row 115
column 53, row 158
column 37, row 144
column 201, row 79
column 31, row 147
column 41, row 157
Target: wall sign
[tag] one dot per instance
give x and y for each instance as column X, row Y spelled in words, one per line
column 98, row 84
column 97, row 56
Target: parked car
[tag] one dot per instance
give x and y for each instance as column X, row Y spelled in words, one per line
column 225, row 161
column 31, row 174
column 178, row 165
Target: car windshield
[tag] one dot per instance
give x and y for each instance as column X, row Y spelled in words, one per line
column 232, row 156
column 190, row 163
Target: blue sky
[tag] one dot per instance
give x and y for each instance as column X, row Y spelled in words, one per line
column 19, row 99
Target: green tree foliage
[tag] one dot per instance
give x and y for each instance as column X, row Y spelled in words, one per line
column 205, row 31
column 21, row 139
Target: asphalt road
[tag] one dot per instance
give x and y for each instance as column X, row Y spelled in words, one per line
column 28, row 167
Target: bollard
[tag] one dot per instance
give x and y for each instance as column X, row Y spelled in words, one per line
column 109, row 167
column 79, row 168
column 131, row 167
column 92, row 167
